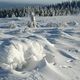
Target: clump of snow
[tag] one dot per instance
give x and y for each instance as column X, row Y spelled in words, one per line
column 26, row 52
column 70, row 24
column 73, row 23
column 51, row 24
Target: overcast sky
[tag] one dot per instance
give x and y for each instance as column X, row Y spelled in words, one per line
column 34, row 1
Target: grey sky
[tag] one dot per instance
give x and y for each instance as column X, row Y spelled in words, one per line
column 35, row 1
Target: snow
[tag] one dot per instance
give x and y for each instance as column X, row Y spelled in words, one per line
column 49, row 51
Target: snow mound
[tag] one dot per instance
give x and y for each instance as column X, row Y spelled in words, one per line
column 71, row 23
column 51, row 24
column 27, row 52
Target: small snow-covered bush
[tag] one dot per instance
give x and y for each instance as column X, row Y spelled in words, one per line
column 12, row 24
column 1, row 34
column 17, row 53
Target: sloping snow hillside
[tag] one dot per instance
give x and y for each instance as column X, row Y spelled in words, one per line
column 49, row 52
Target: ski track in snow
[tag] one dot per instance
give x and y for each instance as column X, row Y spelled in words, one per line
column 49, row 52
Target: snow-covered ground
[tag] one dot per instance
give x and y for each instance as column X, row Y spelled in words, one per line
column 49, row 52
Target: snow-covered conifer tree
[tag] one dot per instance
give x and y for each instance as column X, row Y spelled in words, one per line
column 33, row 20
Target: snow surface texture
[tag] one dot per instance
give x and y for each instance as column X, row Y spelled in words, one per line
column 47, row 52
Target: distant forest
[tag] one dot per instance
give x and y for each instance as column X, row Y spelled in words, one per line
column 59, row 9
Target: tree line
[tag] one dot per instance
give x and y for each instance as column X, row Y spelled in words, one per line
column 59, row 9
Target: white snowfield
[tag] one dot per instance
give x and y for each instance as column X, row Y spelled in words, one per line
column 51, row 51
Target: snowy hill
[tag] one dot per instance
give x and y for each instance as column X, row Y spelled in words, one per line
column 50, row 51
